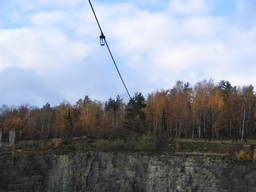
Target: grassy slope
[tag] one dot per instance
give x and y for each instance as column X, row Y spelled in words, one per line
column 138, row 144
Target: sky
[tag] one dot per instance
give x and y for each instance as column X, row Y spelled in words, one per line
column 50, row 51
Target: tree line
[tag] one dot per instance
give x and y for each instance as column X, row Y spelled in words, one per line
column 207, row 110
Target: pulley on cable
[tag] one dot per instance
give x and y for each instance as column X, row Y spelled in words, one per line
column 102, row 39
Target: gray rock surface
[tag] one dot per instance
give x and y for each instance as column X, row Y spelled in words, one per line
column 124, row 172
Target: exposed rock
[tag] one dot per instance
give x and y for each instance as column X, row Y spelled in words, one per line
column 124, row 172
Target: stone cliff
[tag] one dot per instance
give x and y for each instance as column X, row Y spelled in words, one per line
column 124, row 172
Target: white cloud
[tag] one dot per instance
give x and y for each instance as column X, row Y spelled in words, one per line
column 28, row 5
column 48, row 19
column 166, row 48
column 153, row 49
column 190, row 7
column 39, row 50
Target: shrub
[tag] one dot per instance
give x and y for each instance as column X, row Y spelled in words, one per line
column 145, row 143
column 104, row 144
column 254, row 156
column 178, row 147
column 242, row 155
column 55, row 142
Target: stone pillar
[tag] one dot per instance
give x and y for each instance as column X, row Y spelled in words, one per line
column 12, row 136
column 1, row 136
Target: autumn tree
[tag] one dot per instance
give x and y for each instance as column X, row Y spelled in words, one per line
column 114, row 112
column 202, row 112
column 206, row 110
column 248, row 103
column 60, row 123
column 90, row 116
column 16, row 118
column 180, row 107
column 156, row 104
column 216, row 106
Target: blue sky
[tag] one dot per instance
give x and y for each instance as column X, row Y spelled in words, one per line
column 49, row 49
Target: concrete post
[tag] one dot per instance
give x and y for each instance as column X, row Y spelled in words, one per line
column 12, row 136
column 1, row 136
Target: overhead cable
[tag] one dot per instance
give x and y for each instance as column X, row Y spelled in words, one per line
column 104, row 42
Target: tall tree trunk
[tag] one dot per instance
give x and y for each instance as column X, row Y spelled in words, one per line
column 230, row 128
column 204, row 126
column 199, row 131
column 243, row 125
column 176, row 128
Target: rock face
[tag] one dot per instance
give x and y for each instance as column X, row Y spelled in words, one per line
column 124, row 172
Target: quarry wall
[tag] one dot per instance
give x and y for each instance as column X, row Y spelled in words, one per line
column 124, row 172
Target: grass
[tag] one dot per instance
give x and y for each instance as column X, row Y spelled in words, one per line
column 145, row 143
column 226, row 148
column 203, row 154
column 133, row 144
column 226, row 141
